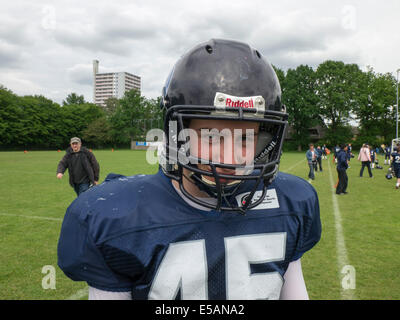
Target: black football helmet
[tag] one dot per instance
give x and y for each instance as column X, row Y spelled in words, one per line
column 223, row 80
column 389, row 174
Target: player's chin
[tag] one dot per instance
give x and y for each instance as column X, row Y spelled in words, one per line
column 211, row 179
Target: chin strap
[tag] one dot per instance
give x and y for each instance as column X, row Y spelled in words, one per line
column 224, row 194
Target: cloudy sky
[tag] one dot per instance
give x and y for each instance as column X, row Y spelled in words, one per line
column 47, row 47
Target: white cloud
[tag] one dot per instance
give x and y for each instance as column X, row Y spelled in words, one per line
column 49, row 46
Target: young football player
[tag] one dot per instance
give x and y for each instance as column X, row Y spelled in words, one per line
column 396, row 164
column 387, row 151
column 218, row 221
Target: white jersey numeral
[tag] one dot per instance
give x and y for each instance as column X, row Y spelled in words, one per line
column 245, row 250
column 184, row 268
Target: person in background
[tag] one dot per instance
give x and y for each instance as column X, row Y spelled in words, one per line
column 373, row 156
column 365, row 157
column 349, row 149
column 82, row 166
column 336, row 150
column 319, row 158
column 311, row 156
column 387, row 151
column 324, row 152
column 396, row 164
column 342, row 165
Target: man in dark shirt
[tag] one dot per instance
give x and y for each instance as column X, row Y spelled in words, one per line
column 82, row 166
column 319, row 158
column 341, row 168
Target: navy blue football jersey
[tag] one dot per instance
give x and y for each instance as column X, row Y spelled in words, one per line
column 138, row 234
column 396, row 160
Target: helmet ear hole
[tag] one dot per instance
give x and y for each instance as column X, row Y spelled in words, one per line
column 209, row 49
column 258, row 54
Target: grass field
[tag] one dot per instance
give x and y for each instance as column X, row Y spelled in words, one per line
column 360, row 229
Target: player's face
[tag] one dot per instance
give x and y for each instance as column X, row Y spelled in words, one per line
column 223, row 141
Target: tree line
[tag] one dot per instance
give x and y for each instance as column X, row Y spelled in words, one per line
column 335, row 96
column 353, row 106
column 35, row 122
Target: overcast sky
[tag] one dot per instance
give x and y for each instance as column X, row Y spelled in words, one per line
column 47, row 47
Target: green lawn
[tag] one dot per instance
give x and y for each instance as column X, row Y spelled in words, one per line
column 33, row 203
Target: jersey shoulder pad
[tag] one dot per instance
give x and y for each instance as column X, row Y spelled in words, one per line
column 294, row 188
column 112, row 206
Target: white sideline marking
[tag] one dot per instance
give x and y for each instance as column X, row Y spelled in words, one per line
column 342, row 258
column 293, row 166
column 32, row 217
column 79, row 294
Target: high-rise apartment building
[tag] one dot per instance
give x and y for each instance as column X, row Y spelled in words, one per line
column 114, row 84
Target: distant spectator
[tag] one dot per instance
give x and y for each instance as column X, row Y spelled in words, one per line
column 365, row 157
column 335, row 152
column 341, row 168
column 349, row 152
column 373, row 156
column 324, row 149
column 311, row 156
column 82, row 166
column 319, row 158
column 387, row 150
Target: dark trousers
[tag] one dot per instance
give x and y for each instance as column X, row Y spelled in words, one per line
column 363, row 165
column 81, row 187
column 311, row 172
column 343, row 181
column 319, row 160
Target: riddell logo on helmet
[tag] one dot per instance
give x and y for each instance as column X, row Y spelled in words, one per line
column 239, row 103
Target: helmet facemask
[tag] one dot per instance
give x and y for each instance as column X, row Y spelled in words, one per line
column 222, row 180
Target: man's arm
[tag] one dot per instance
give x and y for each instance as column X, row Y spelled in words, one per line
column 294, row 287
column 95, row 165
column 62, row 166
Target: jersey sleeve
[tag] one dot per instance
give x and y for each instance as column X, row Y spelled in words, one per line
column 310, row 226
column 81, row 259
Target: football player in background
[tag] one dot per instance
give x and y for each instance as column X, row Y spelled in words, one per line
column 218, row 221
column 387, row 150
column 396, row 164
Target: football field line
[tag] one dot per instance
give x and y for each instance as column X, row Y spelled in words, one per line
column 79, row 294
column 31, row 217
column 342, row 257
column 293, row 166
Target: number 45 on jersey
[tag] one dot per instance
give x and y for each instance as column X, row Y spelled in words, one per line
column 184, row 268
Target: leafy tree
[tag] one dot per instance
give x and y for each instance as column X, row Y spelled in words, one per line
column 98, row 133
column 73, row 98
column 38, row 121
column 74, row 119
column 111, row 105
column 132, row 117
column 10, row 115
column 299, row 96
column 338, row 95
column 376, row 112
